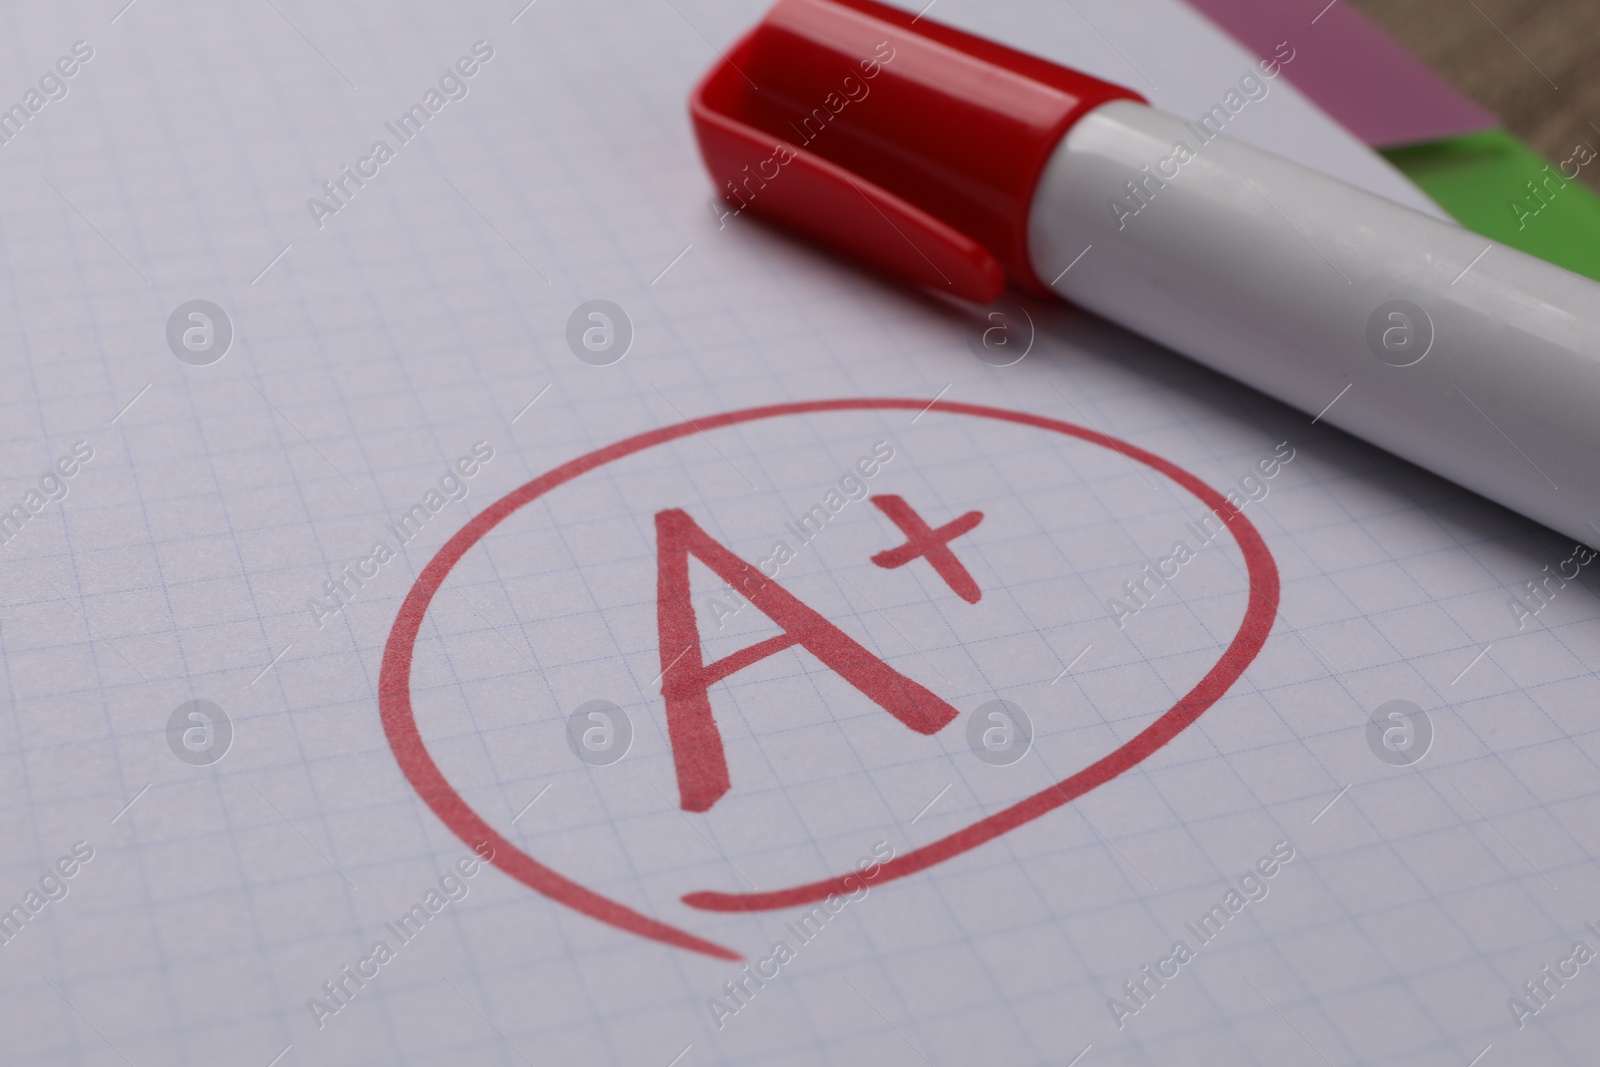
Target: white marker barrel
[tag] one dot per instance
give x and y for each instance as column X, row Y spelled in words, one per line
column 1471, row 359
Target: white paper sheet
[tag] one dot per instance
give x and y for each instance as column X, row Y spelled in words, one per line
column 379, row 357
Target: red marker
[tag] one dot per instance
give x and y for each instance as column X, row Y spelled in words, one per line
column 949, row 161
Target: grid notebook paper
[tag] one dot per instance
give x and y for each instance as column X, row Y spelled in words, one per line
column 396, row 440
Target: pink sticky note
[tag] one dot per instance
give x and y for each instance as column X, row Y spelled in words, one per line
column 1352, row 69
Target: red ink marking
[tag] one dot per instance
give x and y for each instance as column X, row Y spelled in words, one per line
column 415, row 762
column 696, row 742
column 934, row 544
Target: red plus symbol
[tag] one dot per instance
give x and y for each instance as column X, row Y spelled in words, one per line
column 922, row 540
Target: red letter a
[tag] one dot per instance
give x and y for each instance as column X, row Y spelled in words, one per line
column 686, row 677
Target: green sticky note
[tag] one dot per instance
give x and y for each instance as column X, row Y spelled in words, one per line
column 1482, row 179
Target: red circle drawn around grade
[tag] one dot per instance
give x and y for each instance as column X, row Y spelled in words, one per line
column 400, row 725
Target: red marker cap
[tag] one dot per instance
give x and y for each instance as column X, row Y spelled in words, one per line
column 905, row 144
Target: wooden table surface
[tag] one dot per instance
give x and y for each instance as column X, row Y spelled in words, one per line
column 1534, row 63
